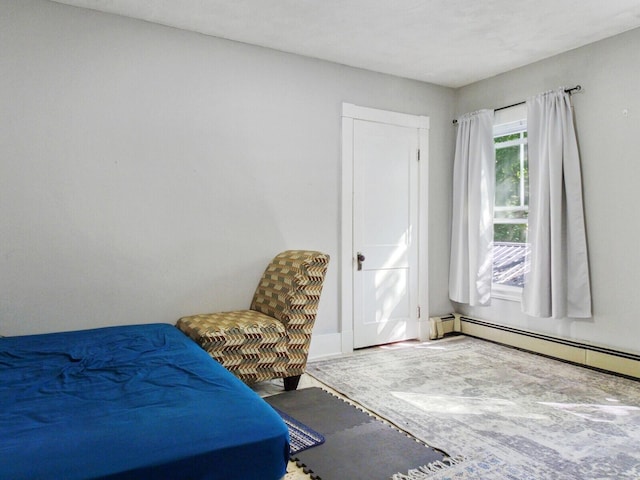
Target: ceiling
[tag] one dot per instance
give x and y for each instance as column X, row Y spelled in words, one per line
column 445, row 42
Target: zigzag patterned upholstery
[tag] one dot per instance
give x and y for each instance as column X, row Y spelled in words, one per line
column 271, row 339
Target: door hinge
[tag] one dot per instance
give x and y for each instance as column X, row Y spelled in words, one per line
column 418, row 154
column 418, row 312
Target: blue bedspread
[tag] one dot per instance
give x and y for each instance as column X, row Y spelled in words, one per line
column 130, row 402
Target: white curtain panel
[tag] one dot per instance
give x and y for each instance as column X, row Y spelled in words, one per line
column 472, row 221
column 557, row 284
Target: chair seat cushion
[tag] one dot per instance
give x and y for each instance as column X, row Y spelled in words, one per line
column 233, row 328
column 246, row 342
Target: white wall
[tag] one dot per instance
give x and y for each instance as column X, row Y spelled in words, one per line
column 609, row 72
column 149, row 173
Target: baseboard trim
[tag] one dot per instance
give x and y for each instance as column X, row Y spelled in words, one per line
column 593, row 356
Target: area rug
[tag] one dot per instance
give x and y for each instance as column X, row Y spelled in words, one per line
column 509, row 413
column 301, row 436
column 357, row 446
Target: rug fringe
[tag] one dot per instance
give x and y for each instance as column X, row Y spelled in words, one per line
column 425, row 471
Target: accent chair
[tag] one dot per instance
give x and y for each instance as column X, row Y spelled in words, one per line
column 271, row 339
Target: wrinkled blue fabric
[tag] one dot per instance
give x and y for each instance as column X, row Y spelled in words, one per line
column 130, row 402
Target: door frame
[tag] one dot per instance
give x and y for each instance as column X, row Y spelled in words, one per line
column 351, row 112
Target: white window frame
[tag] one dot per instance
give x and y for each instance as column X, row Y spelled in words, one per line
column 500, row 291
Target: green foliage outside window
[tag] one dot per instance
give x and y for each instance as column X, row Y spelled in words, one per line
column 510, row 232
column 512, row 188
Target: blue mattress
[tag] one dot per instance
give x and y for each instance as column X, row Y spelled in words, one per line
column 130, row 402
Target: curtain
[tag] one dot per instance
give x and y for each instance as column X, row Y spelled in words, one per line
column 472, row 221
column 557, row 284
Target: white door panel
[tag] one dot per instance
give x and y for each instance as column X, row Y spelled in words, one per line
column 385, row 208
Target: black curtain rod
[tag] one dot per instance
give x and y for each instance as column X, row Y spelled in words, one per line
column 577, row 88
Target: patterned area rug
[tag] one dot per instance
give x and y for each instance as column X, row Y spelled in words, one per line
column 508, row 413
column 301, row 436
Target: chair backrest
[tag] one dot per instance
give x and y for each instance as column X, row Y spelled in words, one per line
column 290, row 288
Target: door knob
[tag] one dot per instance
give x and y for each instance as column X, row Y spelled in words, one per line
column 360, row 258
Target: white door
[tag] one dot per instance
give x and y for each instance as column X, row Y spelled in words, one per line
column 385, row 230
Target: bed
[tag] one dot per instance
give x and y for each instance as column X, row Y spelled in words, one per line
column 130, row 402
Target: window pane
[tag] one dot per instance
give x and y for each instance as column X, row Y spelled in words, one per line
column 510, row 232
column 511, row 207
column 508, row 173
column 510, row 263
column 526, row 173
column 507, row 138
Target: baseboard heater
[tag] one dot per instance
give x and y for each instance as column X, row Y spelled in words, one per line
column 441, row 326
column 601, row 358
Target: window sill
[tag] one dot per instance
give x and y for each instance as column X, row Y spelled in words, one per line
column 505, row 292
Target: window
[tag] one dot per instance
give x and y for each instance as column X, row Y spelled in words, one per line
column 511, row 205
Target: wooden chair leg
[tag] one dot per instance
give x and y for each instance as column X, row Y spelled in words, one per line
column 291, row 383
